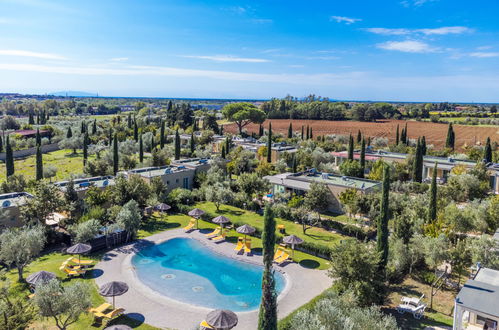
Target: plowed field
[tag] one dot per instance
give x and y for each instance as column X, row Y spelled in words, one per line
column 435, row 133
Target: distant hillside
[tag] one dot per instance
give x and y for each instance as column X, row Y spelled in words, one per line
column 73, row 93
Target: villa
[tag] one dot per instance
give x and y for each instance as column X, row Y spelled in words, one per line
column 197, row 164
column 278, row 149
column 173, row 176
column 10, row 213
column 299, row 184
column 82, row 185
column 475, row 306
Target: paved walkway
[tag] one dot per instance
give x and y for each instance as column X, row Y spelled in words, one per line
column 140, row 301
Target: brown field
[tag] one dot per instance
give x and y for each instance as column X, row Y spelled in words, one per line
column 435, row 133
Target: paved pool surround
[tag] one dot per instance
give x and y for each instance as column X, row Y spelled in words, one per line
column 302, row 285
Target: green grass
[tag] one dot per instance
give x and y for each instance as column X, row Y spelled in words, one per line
column 65, row 161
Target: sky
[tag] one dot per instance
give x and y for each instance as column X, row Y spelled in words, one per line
column 401, row 50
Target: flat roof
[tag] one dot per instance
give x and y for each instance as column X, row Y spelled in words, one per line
column 14, row 199
column 85, row 183
column 192, row 162
column 158, row 171
column 482, row 293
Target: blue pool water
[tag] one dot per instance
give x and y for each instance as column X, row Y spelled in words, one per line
column 184, row 269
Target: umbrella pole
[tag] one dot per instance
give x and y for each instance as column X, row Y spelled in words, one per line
column 292, row 251
column 113, row 302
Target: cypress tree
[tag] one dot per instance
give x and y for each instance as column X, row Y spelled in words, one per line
column 308, row 133
column 294, row 165
column 267, row 315
column 350, row 147
column 115, row 154
column 369, row 141
column 432, row 212
column 135, row 130
column 177, row 145
column 311, row 134
column 110, row 136
column 94, row 127
column 31, row 120
column 153, row 145
column 222, row 130
column 193, row 144
column 1, row 144
column 397, row 137
column 302, row 132
column 384, row 216
column 129, row 121
column 269, row 144
column 449, row 141
column 39, row 163
column 69, row 133
column 227, row 145
column 195, row 125
column 417, row 168
column 85, row 149
column 162, row 135
column 403, row 136
column 38, row 118
column 290, row 131
column 260, row 131
column 38, row 137
column 83, row 128
column 423, row 146
column 487, row 152
column 359, row 137
column 406, row 140
column 223, row 151
column 141, row 149
column 9, row 158
column 363, row 157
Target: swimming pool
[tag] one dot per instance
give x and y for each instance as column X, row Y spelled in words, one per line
column 184, row 269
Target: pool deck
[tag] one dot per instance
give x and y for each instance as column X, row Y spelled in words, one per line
column 140, row 301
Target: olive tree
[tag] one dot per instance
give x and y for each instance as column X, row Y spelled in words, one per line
column 20, row 245
column 64, row 304
column 129, row 218
column 85, row 231
column 219, row 194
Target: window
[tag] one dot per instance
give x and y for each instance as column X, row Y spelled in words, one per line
column 167, row 182
column 176, row 181
column 186, row 183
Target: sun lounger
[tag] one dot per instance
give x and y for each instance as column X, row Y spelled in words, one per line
column 240, row 244
column 247, row 247
column 205, row 325
column 101, row 309
column 71, row 272
column 82, row 262
column 284, row 257
column 215, row 232
column 109, row 316
column 417, row 311
column 278, row 254
column 412, row 301
column 219, row 238
column 190, row 226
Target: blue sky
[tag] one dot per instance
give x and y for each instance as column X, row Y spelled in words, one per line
column 407, row 50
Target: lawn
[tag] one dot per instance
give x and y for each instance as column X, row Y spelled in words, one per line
column 65, row 161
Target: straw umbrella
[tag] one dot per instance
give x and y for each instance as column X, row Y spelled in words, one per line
column 162, row 207
column 79, row 249
column 40, row 277
column 293, row 240
column 222, row 319
column 221, row 220
column 113, row 289
column 246, row 230
column 196, row 214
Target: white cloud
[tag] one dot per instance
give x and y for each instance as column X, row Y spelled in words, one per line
column 416, row 3
column 344, row 19
column 25, row 53
column 119, row 59
column 484, row 47
column 436, row 31
column 408, row 46
column 484, row 54
column 261, row 20
column 228, row 58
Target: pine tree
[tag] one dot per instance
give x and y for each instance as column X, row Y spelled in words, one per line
column 269, row 144
column 135, row 130
column 267, row 316
column 290, row 130
column 384, row 216
column 449, row 142
column 85, row 149
column 350, row 147
column 193, row 144
column 302, row 132
column 397, row 137
column 141, row 149
column 363, row 157
column 69, row 133
column 359, row 137
column 423, row 146
column 115, row 154
column 162, row 135
column 177, row 145
column 38, row 137
column 432, row 211
column 417, row 166
column 9, row 158
column 487, row 152
column 39, row 163
column 94, row 127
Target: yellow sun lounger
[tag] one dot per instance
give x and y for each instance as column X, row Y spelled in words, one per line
column 101, row 309
column 282, row 258
column 71, row 272
column 205, row 325
column 219, row 238
column 190, row 226
column 109, row 316
column 278, row 254
column 82, row 261
column 247, row 247
column 215, row 232
column 240, row 244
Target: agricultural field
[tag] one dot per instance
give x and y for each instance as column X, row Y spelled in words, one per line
column 435, row 133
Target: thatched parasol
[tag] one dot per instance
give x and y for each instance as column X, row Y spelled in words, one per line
column 293, row 240
column 222, row 319
column 221, row 220
column 40, row 277
column 79, row 249
column 113, row 289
